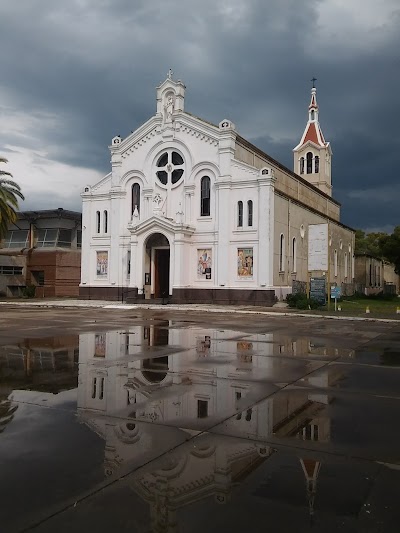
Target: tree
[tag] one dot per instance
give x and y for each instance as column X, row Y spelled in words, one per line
column 390, row 246
column 369, row 243
column 10, row 192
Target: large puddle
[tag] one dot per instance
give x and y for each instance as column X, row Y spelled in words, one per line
column 193, row 429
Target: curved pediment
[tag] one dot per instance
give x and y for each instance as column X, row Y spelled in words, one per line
column 160, row 224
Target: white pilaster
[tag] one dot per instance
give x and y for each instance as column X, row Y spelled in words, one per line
column 223, row 188
column 134, row 246
column 266, row 183
column 115, row 259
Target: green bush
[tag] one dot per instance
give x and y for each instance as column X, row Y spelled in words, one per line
column 300, row 301
column 29, row 291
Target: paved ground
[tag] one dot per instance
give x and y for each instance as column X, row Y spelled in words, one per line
column 172, row 420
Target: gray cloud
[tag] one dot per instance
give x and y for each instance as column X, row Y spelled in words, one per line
column 76, row 73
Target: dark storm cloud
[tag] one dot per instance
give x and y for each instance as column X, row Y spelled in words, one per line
column 92, row 66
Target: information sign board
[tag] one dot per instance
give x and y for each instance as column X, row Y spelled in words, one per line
column 318, row 290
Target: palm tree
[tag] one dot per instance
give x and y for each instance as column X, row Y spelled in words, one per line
column 10, row 191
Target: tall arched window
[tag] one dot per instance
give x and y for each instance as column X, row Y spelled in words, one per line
column 282, row 253
column 240, row 214
column 301, row 165
column 316, row 164
column 346, row 265
column 335, row 262
column 205, row 210
column 98, row 222
column 136, row 197
column 309, row 157
column 250, row 213
column 312, row 114
column 105, row 222
column 294, row 255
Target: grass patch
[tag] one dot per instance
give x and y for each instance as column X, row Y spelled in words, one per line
column 377, row 306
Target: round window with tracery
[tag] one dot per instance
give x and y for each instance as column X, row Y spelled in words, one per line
column 171, row 167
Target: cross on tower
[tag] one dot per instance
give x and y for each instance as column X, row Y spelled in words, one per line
column 313, row 82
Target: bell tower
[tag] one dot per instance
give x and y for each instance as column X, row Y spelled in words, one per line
column 312, row 156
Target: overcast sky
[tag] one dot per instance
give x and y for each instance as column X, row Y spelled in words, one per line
column 74, row 73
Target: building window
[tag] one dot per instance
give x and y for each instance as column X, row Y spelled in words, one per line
column 128, row 266
column 316, row 164
column 79, row 238
column 135, row 197
column 98, row 222
column 205, row 210
column 345, row 265
column 16, row 239
column 282, row 253
column 240, row 215
column 64, row 238
column 105, row 221
column 11, row 270
column 309, row 157
column 46, row 238
column 301, row 165
column 294, row 255
column 335, row 262
column 312, row 114
column 170, row 165
column 94, row 387
column 250, row 213
column 38, row 277
column 202, row 409
column 101, row 395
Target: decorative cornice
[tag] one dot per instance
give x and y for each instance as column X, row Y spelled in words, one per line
column 194, row 132
column 143, row 140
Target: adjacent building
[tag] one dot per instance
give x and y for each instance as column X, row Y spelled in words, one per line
column 194, row 212
column 374, row 275
column 42, row 250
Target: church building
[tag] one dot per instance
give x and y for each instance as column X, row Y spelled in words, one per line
column 193, row 212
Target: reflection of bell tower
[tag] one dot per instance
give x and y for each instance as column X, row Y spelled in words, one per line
column 311, row 470
column 312, row 156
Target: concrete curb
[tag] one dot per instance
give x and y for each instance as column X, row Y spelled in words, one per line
column 101, row 304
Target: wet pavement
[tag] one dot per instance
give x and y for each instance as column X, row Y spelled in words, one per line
column 170, row 421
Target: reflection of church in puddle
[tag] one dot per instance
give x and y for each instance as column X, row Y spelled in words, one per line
column 137, row 403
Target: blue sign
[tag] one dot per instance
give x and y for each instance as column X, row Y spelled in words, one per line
column 336, row 292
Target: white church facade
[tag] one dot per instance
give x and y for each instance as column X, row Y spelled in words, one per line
column 193, row 212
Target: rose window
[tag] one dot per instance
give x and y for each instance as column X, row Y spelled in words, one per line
column 170, row 167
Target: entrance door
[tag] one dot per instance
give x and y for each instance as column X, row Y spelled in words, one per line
column 161, row 274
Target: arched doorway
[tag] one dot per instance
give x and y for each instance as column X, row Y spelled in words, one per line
column 157, row 266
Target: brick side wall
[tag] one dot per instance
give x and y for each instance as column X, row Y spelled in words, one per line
column 62, row 272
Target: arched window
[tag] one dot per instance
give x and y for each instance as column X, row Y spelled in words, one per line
column 301, row 165
column 250, row 213
column 294, row 255
column 312, row 114
column 98, row 226
column 316, row 164
column 205, row 196
column 240, row 214
column 346, row 265
column 335, row 262
column 136, row 197
column 282, row 253
column 309, row 157
column 105, row 221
